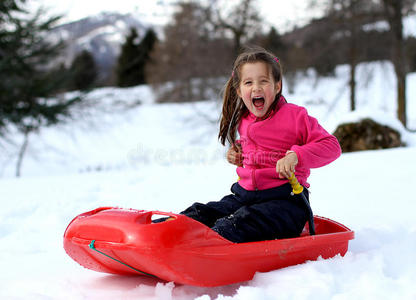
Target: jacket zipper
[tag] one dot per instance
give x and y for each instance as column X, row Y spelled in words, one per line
column 253, row 179
column 253, row 173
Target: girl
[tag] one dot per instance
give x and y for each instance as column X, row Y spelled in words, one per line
column 275, row 138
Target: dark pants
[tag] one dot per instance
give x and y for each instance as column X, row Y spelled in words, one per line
column 247, row 216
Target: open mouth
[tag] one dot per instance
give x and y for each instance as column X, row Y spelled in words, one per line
column 258, row 102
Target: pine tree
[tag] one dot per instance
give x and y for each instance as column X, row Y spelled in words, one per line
column 133, row 58
column 7, row 7
column 274, row 43
column 146, row 47
column 127, row 74
column 83, row 71
column 26, row 82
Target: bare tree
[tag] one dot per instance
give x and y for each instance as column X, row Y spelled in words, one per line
column 241, row 20
column 394, row 11
column 346, row 19
column 198, row 48
column 190, row 56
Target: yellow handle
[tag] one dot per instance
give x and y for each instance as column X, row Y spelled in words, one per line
column 297, row 188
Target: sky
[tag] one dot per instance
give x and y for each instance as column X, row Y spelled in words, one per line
column 281, row 14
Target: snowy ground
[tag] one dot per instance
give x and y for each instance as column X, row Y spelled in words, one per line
column 166, row 156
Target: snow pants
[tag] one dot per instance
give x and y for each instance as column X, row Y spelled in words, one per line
column 246, row 216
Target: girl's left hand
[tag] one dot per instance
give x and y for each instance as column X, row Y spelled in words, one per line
column 286, row 165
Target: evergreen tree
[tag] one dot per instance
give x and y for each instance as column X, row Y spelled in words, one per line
column 8, row 7
column 146, row 47
column 133, row 58
column 25, row 82
column 83, row 71
column 274, row 43
column 127, row 71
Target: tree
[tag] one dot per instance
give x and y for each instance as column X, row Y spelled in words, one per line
column 127, row 71
column 353, row 14
column 83, row 71
column 8, row 7
column 241, row 20
column 274, row 43
column 146, row 47
column 411, row 53
column 345, row 20
column 350, row 20
column 26, row 85
column 320, row 46
column 133, row 58
column 394, row 10
column 191, row 57
column 200, row 45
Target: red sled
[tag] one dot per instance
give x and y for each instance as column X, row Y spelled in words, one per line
column 182, row 250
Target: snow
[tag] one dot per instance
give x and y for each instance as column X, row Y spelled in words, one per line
column 409, row 26
column 166, row 156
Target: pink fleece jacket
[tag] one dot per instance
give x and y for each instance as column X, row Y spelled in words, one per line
column 264, row 142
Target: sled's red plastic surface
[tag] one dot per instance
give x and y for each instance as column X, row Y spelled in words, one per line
column 187, row 252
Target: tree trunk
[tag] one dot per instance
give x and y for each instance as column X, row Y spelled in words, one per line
column 22, row 153
column 393, row 10
column 354, row 29
column 399, row 67
column 237, row 43
column 353, row 63
column 352, row 85
column 401, row 96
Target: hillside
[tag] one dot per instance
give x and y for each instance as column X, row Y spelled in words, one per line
column 102, row 35
column 166, row 156
column 108, row 125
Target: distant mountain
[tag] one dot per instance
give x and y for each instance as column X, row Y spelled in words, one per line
column 102, row 35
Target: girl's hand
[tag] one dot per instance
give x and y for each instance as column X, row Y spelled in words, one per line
column 286, row 165
column 235, row 156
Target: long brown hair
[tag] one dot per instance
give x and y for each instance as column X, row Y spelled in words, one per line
column 233, row 108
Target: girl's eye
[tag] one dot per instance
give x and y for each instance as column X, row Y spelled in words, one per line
column 247, row 82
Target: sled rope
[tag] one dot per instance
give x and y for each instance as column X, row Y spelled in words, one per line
column 297, row 189
column 119, row 261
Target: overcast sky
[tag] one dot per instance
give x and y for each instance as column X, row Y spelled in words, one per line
column 282, row 14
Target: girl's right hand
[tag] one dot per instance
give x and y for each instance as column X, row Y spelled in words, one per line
column 235, row 156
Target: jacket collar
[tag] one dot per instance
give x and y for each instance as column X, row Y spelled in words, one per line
column 282, row 101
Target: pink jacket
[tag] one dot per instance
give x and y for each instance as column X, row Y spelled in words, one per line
column 264, row 142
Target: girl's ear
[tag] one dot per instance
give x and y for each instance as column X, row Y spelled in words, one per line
column 278, row 87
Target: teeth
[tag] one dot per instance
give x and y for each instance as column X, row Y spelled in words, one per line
column 258, row 101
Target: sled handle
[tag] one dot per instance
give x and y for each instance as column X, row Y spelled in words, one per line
column 297, row 188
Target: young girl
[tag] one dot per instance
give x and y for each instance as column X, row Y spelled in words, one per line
column 276, row 138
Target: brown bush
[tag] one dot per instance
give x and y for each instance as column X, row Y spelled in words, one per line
column 367, row 135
